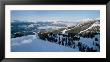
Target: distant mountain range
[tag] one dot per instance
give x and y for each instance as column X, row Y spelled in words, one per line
column 81, row 27
column 58, row 26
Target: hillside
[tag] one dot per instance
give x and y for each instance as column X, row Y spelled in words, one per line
column 73, row 36
column 81, row 37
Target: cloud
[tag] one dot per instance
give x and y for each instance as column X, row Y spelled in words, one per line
column 51, row 18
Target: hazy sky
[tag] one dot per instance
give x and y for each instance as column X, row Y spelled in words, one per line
column 53, row 15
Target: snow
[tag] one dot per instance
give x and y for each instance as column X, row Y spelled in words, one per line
column 32, row 44
column 95, row 24
column 67, row 23
column 50, row 27
column 89, row 41
column 21, row 40
column 63, row 32
column 32, row 25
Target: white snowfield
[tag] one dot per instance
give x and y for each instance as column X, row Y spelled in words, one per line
column 32, row 44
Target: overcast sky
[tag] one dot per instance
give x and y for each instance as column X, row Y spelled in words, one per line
column 53, row 15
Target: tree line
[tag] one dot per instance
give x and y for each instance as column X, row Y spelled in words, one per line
column 68, row 40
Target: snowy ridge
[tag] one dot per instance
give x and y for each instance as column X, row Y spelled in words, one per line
column 78, row 25
column 95, row 24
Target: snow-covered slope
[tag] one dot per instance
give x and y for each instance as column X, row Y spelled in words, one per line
column 94, row 25
column 89, row 42
column 32, row 44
